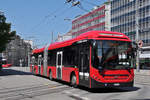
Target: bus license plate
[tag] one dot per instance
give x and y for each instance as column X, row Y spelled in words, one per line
column 116, row 84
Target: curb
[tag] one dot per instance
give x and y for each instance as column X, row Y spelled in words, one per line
column 142, row 72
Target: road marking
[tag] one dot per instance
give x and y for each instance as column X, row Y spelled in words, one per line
column 46, row 84
column 53, row 87
column 33, row 92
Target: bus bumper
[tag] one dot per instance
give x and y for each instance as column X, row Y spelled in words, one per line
column 96, row 84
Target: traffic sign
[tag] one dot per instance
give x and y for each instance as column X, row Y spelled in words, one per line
column 140, row 43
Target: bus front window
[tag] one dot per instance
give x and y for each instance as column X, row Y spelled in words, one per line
column 112, row 54
column 4, row 61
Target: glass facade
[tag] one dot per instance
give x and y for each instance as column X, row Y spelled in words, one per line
column 123, row 17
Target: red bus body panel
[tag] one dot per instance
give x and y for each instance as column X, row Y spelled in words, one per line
column 112, row 76
column 6, row 65
column 31, row 68
column 41, row 69
column 36, row 69
column 66, row 73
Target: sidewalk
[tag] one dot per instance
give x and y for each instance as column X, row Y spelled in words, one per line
column 142, row 77
column 142, row 72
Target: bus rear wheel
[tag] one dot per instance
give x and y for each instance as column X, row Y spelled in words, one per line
column 34, row 71
column 73, row 81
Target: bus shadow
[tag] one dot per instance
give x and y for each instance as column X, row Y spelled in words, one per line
column 56, row 80
column 102, row 90
column 109, row 90
column 98, row 90
column 8, row 72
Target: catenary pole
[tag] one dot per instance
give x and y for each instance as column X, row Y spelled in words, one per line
column 137, row 34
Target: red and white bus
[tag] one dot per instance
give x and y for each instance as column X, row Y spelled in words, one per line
column 4, row 64
column 93, row 59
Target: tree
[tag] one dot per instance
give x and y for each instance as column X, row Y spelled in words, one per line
column 5, row 32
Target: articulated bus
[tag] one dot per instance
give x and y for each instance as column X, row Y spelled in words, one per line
column 94, row 59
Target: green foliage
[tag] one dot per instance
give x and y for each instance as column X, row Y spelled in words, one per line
column 5, row 33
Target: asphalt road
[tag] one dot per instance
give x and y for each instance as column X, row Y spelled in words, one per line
column 20, row 84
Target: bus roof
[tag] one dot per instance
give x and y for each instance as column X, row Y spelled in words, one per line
column 107, row 35
column 38, row 50
column 90, row 35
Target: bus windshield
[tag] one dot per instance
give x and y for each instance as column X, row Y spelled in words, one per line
column 110, row 54
column 4, row 61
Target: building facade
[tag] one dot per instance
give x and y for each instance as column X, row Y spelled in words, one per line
column 123, row 18
column 97, row 19
column 64, row 37
column 17, row 52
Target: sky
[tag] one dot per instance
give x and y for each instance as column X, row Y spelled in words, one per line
column 37, row 19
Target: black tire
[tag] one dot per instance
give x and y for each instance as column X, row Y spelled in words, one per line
column 50, row 75
column 34, row 71
column 0, row 67
column 73, row 81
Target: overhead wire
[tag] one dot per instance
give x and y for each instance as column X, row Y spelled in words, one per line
column 82, row 8
column 93, row 4
column 85, row 1
column 55, row 14
column 46, row 17
column 59, row 9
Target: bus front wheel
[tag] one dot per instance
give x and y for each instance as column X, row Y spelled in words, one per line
column 73, row 81
column 0, row 68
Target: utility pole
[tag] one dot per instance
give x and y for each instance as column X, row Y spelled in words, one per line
column 137, row 34
column 52, row 37
column 29, row 52
column 28, row 57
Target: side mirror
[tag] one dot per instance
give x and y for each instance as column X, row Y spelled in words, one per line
column 134, row 46
column 134, row 49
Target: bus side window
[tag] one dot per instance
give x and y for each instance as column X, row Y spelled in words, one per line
column 52, row 58
column 69, row 56
column 48, row 61
column 36, row 59
column 42, row 61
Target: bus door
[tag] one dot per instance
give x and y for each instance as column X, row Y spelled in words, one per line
column 59, row 65
column 39, row 63
column 84, row 68
column 32, row 63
